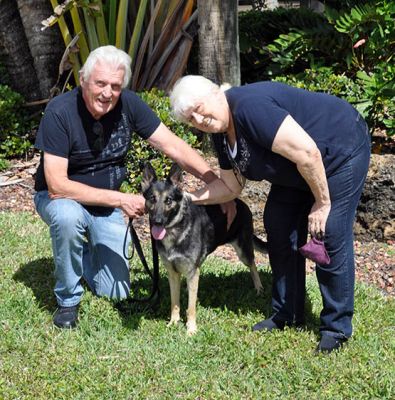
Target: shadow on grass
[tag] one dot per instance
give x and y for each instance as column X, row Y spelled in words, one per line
column 38, row 276
column 233, row 292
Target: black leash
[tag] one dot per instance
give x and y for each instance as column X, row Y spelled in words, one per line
column 154, row 274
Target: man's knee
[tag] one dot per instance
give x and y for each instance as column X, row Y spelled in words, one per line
column 66, row 214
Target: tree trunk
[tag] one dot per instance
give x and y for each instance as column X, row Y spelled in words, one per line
column 314, row 5
column 219, row 58
column 16, row 54
column 46, row 47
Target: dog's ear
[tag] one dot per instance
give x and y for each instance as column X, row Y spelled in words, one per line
column 149, row 176
column 175, row 175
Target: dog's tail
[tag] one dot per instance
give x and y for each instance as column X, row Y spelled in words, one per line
column 259, row 244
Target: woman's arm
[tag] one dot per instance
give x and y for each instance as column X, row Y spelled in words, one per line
column 293, row 143
column 222, row 190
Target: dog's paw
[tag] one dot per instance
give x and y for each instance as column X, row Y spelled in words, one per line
column 173, row 321
column 191, row 328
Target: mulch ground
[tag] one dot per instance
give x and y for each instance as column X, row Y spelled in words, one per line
column 375, row 261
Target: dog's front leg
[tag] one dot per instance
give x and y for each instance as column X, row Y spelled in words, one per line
column 193, row 285
column 175, row 283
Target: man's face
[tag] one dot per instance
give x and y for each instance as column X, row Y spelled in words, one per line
column 102, row 89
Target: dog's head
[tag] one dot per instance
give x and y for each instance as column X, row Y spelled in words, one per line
column 163, row 199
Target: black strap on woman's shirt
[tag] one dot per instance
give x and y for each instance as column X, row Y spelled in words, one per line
column 154, row 274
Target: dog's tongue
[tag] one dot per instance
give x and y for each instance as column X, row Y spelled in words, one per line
column 158, row 232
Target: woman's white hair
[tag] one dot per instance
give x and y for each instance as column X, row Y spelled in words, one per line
column 108, row 55
column 188, row 91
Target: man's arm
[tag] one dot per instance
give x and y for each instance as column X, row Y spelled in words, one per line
column 180, row 152
column 60, row 186
column 217, row 190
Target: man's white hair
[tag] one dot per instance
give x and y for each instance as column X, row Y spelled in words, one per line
column 108, row 55
column 188, row 91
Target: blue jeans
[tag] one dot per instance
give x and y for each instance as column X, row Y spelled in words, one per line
column 86, row 246
column 285, row 220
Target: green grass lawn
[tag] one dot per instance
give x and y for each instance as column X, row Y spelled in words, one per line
column 132, row 354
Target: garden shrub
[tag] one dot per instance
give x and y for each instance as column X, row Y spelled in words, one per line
column 15, row 129
column 258, row 29
column 324, row 80
column 141, row 152
column 354, row 41
column 4, row 164
column 370, row 30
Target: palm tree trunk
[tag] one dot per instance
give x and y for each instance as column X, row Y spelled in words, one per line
column 46, row 47
column 219, row 58
column 16, row 54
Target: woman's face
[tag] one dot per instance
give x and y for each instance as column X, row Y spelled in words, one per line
column 211, row 114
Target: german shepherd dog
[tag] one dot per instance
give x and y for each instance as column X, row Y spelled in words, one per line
column 186, row 233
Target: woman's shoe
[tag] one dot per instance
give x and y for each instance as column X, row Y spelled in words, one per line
column 329, row 343
column 273, row 323
column 269, row 325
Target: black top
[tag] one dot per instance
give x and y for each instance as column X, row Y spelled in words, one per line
column 96, row 149
column 259, row 109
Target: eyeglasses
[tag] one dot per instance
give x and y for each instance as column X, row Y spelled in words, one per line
column 236, row 169
column 98, row 130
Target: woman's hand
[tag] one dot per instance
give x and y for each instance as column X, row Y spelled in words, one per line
column 317, row 220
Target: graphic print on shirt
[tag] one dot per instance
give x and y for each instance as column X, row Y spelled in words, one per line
column 117, row 148
column 115, row 141
column 243, row 154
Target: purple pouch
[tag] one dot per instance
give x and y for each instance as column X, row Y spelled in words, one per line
column 315, row 250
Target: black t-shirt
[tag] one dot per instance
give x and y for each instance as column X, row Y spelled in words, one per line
column 96, row 150
column 259, row 109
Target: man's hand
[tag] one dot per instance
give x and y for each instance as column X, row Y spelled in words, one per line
column 133, row 205
column 229, row 208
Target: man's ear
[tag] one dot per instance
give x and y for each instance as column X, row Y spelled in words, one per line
column 149, row 176
column 175, row 174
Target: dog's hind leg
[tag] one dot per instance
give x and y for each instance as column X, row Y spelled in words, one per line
column 255, row 278
column 245, row 252
column 175, row 283
column 193, row 285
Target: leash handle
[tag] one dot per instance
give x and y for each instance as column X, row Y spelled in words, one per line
column 129, row 228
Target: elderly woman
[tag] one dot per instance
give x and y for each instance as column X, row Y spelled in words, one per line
column 314, row 148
